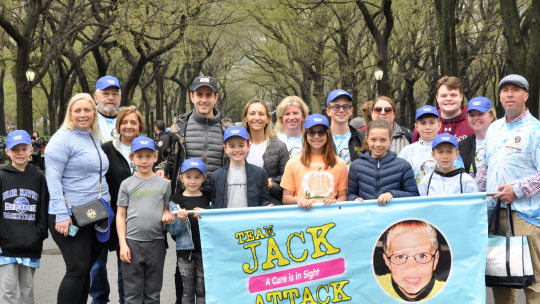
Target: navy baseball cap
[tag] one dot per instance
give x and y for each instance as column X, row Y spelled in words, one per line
column 479, row 103
column 18, row 137
column 193, row 163
column 204, row 81
column 336, row 93
column 515, row 79
column 142, row 142
column 444, row 138
column 427, row 110
column 235, row 131
column 103, row 230
column 107, row 81
column 316, row 119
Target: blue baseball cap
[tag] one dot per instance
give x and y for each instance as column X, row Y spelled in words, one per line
column 235, row 131
column 444, row 138
column 336, row 93
column 316, row 119
column 142, row 142
column 193, row 163
column 427, row 110
column 480, row 103
column 103, row 230
column 18, row 137
column 107, row 81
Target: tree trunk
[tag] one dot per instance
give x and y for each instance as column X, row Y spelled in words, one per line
column 25, row 120
column 83, row 82
column 381, row 39
column 183, row 100
column 445, row 10
column 51, row 103
column 2, row 115
column 129, row 88
column 523, row 57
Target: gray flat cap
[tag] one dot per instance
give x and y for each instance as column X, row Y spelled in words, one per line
column 515, row 79
column 357, row 123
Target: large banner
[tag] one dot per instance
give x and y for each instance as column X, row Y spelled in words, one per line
column 429, row 249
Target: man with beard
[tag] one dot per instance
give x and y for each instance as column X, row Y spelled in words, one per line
column 107, row 97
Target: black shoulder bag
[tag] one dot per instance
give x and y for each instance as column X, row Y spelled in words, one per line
column 91, row 212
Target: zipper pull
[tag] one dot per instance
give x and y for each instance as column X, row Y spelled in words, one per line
column 378, row 164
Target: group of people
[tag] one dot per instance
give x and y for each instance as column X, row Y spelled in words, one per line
column 99, row 152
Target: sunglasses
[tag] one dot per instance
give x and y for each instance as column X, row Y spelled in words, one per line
column 336, row 108
column 321, row 133
column 380, row 109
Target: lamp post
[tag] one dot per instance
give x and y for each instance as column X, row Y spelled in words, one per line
column 30, row 74
column 323, row 107
column 152, row 122
column 378, row 76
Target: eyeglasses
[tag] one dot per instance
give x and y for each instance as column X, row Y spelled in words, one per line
column 386, row 109
column 420, row 258
column 336, row 108
column 321, row 133
column 107, row 94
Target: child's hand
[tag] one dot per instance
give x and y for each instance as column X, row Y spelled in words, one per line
column 125, row 254
column 270, row 183
column 270, row 205
column 384, row 198
column 195, row 214
column 328, row 201
column 182, row 215
column 168, row 217
column 359, row 199
column 304, row 203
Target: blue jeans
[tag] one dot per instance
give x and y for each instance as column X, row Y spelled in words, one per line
column 99, row 283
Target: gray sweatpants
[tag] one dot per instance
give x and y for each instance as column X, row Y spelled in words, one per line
column 143, row 277
column 16, row 284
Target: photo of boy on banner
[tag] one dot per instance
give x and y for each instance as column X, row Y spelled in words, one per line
column 412, row 261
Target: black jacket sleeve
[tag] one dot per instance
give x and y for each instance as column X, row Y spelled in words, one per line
column 283, row 158
column 264, row 195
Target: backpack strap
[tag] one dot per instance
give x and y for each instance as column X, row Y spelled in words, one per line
column 429, row 183
column 460, row 182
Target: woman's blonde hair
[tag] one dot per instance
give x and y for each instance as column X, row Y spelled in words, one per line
column 282, row 107
column 366, row 111
column 126, row 111
column 68, row 123
column 493, row 114
column 268, row 129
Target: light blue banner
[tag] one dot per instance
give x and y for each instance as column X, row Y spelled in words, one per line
column 429, row 248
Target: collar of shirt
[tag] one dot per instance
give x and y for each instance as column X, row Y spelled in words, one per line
column 519, row 118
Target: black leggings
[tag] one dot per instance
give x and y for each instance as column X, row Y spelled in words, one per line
column 79, row 253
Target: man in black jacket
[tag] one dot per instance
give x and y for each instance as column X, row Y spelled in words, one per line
column 161, row 139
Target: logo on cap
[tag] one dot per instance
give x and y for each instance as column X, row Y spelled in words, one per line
column 427, row 109
column 445, row 138
column 111, row 81
column 193, row 163
column 144, row 142
column 235, row 131
column 317, row 119
column 205, row 80
column 476, row 103
column 17, row 137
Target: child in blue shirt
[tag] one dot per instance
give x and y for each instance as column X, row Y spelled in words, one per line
column 446, row 179
column 418, row 154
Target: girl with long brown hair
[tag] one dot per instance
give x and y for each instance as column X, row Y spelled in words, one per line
column 317, row 175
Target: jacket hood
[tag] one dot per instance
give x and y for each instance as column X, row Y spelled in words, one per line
column 389, row 157
column 461, row 117
column 451, row 173
column 30, row 169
